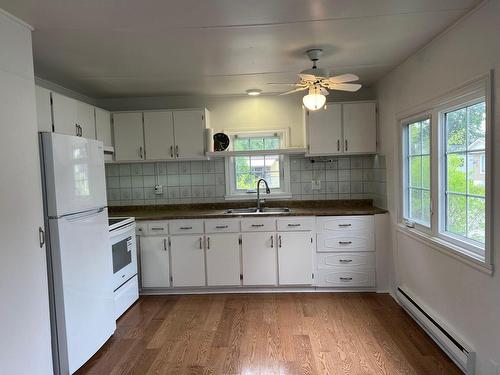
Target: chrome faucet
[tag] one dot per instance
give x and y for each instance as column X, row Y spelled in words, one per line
column 268, row 191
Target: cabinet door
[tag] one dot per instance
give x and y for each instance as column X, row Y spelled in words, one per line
column 159, row 135
column 103, row 127
column 188, row 261
column 360, row 127
column 65, row 114
column 155, row 267
column 189, row 129
column 43, row 110
column 223, row 259
column 259, row 258
column 295, row 258
column 324, row 130
column 86, row 119
column 129, row 136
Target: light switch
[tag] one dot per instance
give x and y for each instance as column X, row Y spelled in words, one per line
column 158, row 189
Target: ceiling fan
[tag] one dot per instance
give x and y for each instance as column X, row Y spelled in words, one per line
column 318, row 82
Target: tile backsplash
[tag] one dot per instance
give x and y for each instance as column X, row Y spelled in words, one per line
column 346, row 177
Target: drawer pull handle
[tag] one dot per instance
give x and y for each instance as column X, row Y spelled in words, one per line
column 345, row 242
column 294, row 225
column 346, row 278
column 221, row 226
column 344, row 225
column 156, row 228
column 257, row 225
column 345, row 260
column 186, row 228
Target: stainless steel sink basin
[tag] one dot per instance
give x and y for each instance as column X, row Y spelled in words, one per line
column 255, row 211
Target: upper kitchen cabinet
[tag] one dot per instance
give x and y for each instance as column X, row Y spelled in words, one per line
column 360, row 129
column 103, row 127
column 129, row 136
column 72, row 117
column 43, row 109
column 159, row 135
column 189, row 130
column 342, row 128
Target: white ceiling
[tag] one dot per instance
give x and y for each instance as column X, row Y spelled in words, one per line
column 115, row 48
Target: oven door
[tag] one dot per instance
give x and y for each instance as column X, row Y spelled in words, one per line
column 124, row 255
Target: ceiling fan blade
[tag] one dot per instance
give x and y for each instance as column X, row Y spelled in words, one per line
column 308, row 77
column 343, row 78
column 345, row 86
column 292, row 91
column 323, row 91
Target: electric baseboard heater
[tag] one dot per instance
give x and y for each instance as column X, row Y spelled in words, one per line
column 454, row 347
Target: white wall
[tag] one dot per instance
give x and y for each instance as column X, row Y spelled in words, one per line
column 24, row 312
column 238, row 112
column 467, row 299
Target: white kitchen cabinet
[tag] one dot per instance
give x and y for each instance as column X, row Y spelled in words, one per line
column 103, row 127
column 295, row 258
column 259, row 260
column 155, row 263
column 72, row 117
column 85, row 118
column 43, row 109
column 223, row 259
column 324, row 130
column 159, row 135
column 129, row 136
column 189, row 131
column 188, row 260
column 342, row 128
column 360, row 129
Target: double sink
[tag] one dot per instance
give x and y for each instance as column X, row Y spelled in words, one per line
column 259, row 211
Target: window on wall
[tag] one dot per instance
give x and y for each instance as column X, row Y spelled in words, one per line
column 257, row 161
column 445, row 172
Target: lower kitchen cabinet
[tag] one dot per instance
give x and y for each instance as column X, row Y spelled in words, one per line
column 155, row 267
column 259, row 258
column 188, row 260
column 223, row 259
column 295, row 258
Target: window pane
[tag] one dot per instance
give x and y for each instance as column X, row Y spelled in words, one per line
column 476, row 219
column 456, row 173
column 456, row 130
column 426, row 207
column 248, row 169
column 476, row 117
column 426, row 141
column 415, row 204
column 241, row 144
column 256, row 144
column 426, row 172
column 273, row 180
column 415, row 142
column 475, row 174
column 415, row 171
column 456, row 214
column 246, row 181
column 272, row 143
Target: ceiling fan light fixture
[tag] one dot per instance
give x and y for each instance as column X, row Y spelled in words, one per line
column 314, row 100
column 254, row 92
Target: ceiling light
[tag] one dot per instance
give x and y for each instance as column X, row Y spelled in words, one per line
column 314, row 100
column 254, row 92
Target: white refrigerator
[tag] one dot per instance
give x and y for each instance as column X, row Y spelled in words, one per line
column 79, row 252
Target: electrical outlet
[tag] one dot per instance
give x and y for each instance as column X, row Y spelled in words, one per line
column 158, row 189
column 316, row 184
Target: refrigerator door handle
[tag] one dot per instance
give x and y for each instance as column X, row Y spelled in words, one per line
column 82, row 215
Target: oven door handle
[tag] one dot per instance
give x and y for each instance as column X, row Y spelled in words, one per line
column 127, row 229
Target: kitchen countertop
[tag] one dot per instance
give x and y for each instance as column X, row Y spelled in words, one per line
column 216, row 210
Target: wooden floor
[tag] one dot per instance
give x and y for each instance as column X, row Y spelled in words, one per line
column 305, row 333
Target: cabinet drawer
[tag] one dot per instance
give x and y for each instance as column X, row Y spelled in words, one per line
column 345, row 260
column 295, row 224
column 157, row 227
column 186, row 227
column 222, row 226
column 258, row 225
column 356, row 241
column 343, row 277
column 344, row 224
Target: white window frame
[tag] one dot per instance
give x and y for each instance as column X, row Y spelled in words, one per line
column 284, row 192
column 466, row 251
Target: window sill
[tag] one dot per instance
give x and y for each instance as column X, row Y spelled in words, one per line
column 253, row 197
column 446, row 248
